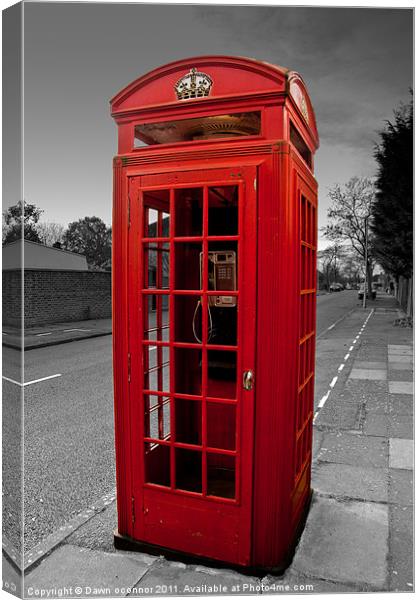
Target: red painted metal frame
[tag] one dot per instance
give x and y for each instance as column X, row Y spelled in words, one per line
column 276, row 296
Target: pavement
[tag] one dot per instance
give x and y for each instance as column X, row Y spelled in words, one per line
column 358, row 535
column 56, row 333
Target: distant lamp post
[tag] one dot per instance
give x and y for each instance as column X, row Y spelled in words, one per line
column 366, row 260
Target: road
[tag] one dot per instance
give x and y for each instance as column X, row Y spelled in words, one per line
column 68, row 421
column 332, row 307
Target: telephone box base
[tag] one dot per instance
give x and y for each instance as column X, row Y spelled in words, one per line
column 125, row 542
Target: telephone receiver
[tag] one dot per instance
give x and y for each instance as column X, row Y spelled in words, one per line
column 221, row 276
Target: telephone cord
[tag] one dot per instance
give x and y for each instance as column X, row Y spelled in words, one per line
column 210, row 330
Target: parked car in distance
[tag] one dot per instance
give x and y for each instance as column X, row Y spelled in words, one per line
column 362, row 291
column 336, row 287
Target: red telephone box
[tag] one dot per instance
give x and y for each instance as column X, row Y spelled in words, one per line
column 214, row 289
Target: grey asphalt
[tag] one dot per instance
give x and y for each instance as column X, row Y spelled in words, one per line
column 69, row 443
column 69, row 433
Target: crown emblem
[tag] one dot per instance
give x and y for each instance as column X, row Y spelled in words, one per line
column 304, row 108
column 193, row 85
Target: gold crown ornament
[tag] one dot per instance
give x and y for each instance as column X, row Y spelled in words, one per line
column 193, row 85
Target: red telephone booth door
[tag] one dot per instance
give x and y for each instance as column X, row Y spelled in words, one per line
column 192, row 295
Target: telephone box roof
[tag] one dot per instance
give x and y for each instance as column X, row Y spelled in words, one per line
column 228, row 77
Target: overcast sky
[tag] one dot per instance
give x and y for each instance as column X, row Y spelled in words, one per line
column 357, row 64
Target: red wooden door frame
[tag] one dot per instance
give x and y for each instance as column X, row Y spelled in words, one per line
column 204, row 525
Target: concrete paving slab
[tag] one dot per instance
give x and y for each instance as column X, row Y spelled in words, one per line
column 350, row 537
column 375, row 374
column 378, row 404
column 401, row 487
column 400, row 387
column 359, row 450
column 77, row 572
column 349, row 481
column 401, row 453
column 401, row 426
column 376, row 424
column 401, row 404
column 401, row 366
column 296, row 582
column 400, row 358
column 400, row 375
column 367, row 387
column 400, row 349
column 171, row 578
column 401, row 548
column 366, row 364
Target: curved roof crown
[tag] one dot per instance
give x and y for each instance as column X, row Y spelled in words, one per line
column 207, row 78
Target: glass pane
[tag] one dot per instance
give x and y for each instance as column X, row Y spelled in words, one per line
column 197, row 128
column 157, row 464
column 222, row 321
column 189, row 212
column 157, row 417
column 188, row 319
column 188, row 470
column 156, row 261
column 221, row 425
column 156, row 317
column 221, row 475
column 156, row 215
column 187, row 266
column 156, row 368
column 188, row 421
column 223, row 210
column 152, row 217
column 221, row 374
column 187, row 371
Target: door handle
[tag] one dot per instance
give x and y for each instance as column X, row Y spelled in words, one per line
column 248, row 380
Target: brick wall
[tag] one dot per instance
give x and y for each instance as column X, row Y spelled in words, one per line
column 12, row 303
column 57, row 296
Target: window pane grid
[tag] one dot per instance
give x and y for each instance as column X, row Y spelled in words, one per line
column 160, row 335
column 304, row 408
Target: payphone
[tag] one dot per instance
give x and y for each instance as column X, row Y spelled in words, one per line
column 214, row 292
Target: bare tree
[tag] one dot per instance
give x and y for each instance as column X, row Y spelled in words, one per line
column 50, row 233
column 351, row 205
column 329, row 260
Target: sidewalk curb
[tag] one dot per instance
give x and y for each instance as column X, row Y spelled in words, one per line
column 34, row 556
column 32, row 346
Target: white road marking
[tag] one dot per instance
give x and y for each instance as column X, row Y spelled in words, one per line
column 43, row 379
column 41, row 334
column 11, row 380
column 76, row 329
column 323, row 400
column 4, row 333
column 331, row 326
column 340, row 368
column 31, row 382
column 355, row 340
